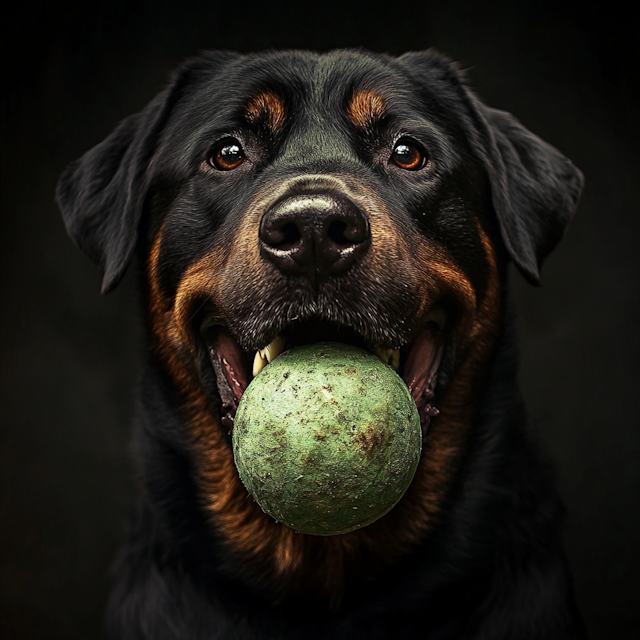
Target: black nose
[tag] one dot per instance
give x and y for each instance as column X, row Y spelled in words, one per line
column 314, row 235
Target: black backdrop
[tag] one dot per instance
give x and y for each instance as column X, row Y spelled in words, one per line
column 72, row 70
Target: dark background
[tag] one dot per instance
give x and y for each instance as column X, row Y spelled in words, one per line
column 71, row 71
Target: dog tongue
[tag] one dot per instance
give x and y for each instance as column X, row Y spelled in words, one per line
column 421, row 371
column 231, row 373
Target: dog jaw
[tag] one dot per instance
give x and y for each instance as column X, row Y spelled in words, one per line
column 283, row 562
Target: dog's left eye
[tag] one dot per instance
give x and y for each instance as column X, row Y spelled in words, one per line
column 407, row 155
column 227, row 156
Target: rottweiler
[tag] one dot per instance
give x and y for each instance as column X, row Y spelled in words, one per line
column 284, row 198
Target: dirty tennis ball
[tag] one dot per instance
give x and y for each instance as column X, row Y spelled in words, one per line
column 327, row 438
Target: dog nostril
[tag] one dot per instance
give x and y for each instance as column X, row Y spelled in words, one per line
column 281, row 236
column 289, row 236
column 336, row 232
column 291, row 233
column 314, row 235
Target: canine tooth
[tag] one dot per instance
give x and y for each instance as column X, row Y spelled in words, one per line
column 439, row 316
column 273, row 349
column 264, row 356
column 381, row 353
column 388, row 356
column 259, row 363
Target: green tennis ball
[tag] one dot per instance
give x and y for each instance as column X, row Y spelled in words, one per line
column 327, row 438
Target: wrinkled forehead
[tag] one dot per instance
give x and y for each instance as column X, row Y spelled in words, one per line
column 336, row 91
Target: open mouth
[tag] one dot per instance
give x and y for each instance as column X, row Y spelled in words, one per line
column 417, row 363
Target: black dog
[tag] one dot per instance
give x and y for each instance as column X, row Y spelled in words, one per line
column 290, row 197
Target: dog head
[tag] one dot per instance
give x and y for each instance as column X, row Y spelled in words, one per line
column 291, row 197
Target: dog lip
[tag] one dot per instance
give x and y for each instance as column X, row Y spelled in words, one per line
column 419, row 369
column 299, row 333
column 231, row 372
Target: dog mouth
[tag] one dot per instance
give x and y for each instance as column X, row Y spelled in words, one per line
column 418, row 362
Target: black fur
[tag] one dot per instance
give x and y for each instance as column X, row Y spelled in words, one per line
column 493, row 569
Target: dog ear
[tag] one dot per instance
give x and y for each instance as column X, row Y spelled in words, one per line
column 102, row 195
column 534, row 188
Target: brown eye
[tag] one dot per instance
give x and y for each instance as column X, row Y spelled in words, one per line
column 227, row 156
column 408, row 156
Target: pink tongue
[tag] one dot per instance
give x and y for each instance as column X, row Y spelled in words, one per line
column 228, row 362
column 421, row 369
column 231, row 358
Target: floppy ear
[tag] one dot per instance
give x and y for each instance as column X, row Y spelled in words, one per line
column 534, row 188
column 102, row 195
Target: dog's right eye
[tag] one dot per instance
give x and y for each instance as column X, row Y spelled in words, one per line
column 227, row 156
column 409, row 156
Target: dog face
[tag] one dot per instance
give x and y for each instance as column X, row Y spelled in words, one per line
column 289, row 197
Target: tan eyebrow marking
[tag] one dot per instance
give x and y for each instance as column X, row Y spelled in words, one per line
column 365, row 108
column 268, row 107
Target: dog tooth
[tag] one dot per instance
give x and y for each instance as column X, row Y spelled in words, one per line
column 388, row 356
column 383, row 354
column 378, row 352
column 259, row 363
column 274, row 348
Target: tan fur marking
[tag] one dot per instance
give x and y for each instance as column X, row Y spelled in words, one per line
column 365, row 108
column 281, row 560
column 267, row 107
